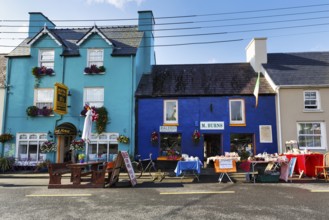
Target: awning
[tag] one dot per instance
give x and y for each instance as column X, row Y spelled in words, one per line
column 66, row 129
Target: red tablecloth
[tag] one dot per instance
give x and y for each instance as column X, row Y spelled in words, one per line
column 306, row 163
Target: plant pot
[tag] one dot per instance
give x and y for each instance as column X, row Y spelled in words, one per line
column 82, row 160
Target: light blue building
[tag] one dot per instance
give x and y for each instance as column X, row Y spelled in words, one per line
column 121, row 55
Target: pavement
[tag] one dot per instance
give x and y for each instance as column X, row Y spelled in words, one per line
column 207, row 175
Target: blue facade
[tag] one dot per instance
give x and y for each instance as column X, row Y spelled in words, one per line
column 193, row 110
column 119, row 81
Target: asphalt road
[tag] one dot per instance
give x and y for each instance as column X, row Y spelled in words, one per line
column 173, row 198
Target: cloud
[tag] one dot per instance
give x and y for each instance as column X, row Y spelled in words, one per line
column 116, row 3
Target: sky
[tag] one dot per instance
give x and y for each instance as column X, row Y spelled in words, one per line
column 214, row 31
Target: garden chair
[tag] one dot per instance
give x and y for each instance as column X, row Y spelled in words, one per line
column 324, row 169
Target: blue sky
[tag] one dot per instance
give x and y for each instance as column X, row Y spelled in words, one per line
column 312, row 33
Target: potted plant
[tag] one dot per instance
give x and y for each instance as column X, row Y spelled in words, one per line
column 42, row 166
column 196, row 136
column 94, row 69
column 81, row 158
column 48, row 146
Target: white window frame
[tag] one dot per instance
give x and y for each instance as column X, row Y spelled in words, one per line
column 49, row 102
column 30, row 139
column 49, row 63
column 322, row 135
column 241, row 122
column 317, row 101
column 110, row 139
column 170, row 107
column 93, row 102
column 95, row 60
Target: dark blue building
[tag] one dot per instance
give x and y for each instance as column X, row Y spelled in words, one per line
column 177, row 103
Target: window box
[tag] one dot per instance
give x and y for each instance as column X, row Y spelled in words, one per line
column 34, row 111
column 94, row 69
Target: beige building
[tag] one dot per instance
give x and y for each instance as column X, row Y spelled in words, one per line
column 301, row 81
column 3, row 62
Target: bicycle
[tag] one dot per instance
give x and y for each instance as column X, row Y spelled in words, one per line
column 139, row 167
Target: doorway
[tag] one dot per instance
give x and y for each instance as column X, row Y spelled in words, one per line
column 64, row 154
column 212, row 145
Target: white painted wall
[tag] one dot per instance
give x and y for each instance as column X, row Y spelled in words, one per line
column 256, row 53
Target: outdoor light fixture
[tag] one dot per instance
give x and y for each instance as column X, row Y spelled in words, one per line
column 69, row 93
column 50, row 134
column 79, row 133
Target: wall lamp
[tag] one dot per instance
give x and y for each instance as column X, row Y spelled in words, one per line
column 79, row 133
column 50, row 134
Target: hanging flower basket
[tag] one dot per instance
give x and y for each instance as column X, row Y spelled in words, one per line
column 196, row 136
column 154, row 137
column 77, row 145
column 5, row 137
column 94, row 69
column 48, row 146
column 123, row 139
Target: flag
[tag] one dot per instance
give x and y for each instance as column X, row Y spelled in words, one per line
column 256, row 90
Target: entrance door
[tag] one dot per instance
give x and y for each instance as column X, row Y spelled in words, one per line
column 64, row 154
column 212, row 145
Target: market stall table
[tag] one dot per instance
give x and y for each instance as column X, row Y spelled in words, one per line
column 165, row 164
column 306, row 163
column 185, row 166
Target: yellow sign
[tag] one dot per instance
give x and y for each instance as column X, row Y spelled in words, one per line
column 60, row 102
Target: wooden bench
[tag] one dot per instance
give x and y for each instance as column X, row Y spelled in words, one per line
column 56, row 170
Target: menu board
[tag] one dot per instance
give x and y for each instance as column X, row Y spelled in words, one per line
column 123, row 161
column 225, row 166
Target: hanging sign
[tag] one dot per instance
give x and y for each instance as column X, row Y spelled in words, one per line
column 168, row 129
column 60, row 99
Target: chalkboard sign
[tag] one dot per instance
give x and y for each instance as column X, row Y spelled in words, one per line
column 123, row 161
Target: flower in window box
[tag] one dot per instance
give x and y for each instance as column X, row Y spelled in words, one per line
column 41, row 71
column 32, row 111
column 94, row 69
column 77, row 144
column 5, row 137
column 196, row 136
column 45, row 111
column 48, row 146
column 123, row 139
column 154, row 137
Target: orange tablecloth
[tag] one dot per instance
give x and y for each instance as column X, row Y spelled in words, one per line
column 306, row 163
column 167, row 158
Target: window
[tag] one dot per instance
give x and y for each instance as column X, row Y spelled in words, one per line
column 311, row 135
column 93, row 96
column 95, row 57
column 103, row 147
column 311, row 100
column 43, row 98
column 237, row 112
column 47, row 58
column 28, row 148
column 170, row 112
column 170, row 144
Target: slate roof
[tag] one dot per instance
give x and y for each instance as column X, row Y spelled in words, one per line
column 201, row 80
column 3, row 63
column 298, row 69
column 126, row 40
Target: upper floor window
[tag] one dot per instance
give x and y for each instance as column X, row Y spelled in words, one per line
column 311, row 135
column 95, row 57
column 47, row 58
column 43, row 97
column 237, row 112
column 311, row 100
column 94, row 96
column 170, row 112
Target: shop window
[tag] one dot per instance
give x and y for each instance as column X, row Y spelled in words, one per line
column 94, row 96
column 237, row 112
column 43, row 97
column 170, row 144
column 311, row 100
column 95, row 57
column 311, row 135
column 170, row 112
column 47, row 58
column 28, row 147
column 103, row 147
column 242, row 144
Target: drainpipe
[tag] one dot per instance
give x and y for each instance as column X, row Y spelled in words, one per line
column 4, row 115
column 132, row 103
column 279, row 121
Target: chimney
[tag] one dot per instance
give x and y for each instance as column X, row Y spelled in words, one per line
column 145, row 24
column 256, row 53
column 37, row 22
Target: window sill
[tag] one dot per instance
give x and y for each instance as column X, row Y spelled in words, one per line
column 92, row 74
column 238, row 125
column 313, row 111
column 166, row 124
